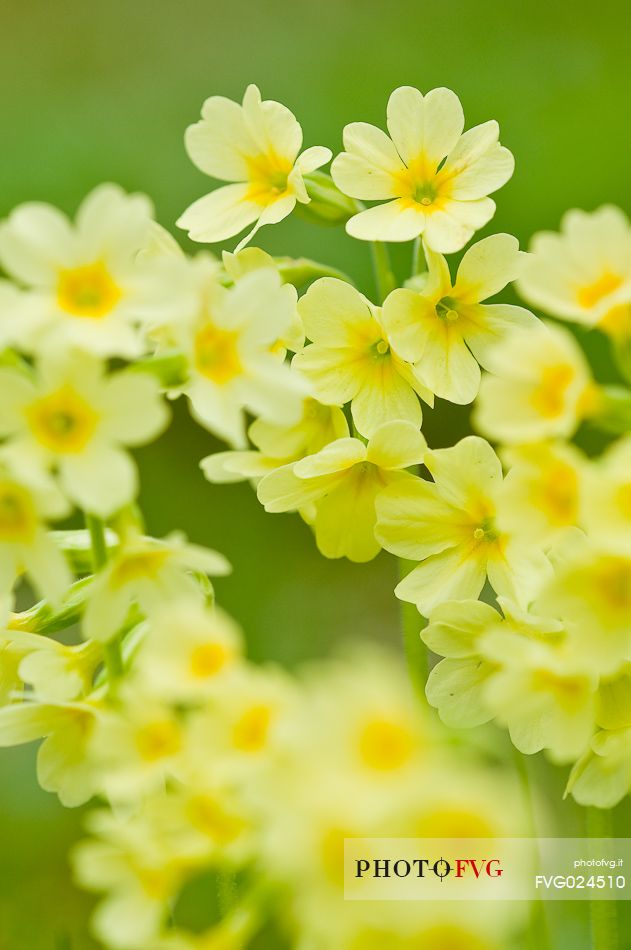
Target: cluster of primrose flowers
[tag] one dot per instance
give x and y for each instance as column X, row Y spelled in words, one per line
column 518, row 560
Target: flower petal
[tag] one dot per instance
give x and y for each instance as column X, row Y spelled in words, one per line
column 370, row 164
column 426, row 127
column 399, row 220
column 396, row 444
column 488, row 267
column 220, row 215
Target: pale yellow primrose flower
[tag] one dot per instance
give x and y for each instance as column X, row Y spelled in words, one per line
column 136, row 745
column 252, row 259
column 583, row 274
column 27, row 500
column 444, row 329
column 541, row 388
column 351, row 359
column 88, row 288
column 606, row 500
column 187, row 650
column 278, row 444
column 230, row 342
column 521, row 668
column 63, row 763
column 543, row 692
column 136, row 863
column 256, row 147
column 58, row 673
column 344, row 480
column 602, row 777
column 75, row 418
column 543, row 489
column 148, row 573
column 434, row 179
column 591, row 592
column 451, row 526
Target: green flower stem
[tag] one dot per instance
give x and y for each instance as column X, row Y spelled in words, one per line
column 112, row 650
column 384, row 276
column 539, row 931
column 622, row 357
column 415, row 651
column 419, row 261
column 603, row 917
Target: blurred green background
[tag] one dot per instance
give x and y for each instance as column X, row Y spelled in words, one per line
column 103, row 91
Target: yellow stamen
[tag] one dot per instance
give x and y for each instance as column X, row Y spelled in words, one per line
column 593, row 293
column 217, row 355
column 549, row 396
column 18, row 519
column 158, row 740
column 62, row 421
column 208, row 659
column 87, row 291
column 385, row 745
column 252, row 728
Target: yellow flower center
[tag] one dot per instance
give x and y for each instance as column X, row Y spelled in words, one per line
column 18, row 519
column 158, row 740
column 158, row 883
column 217, row 355
column 569, row 691
column 446, row 310
column 623, row 497
column 87, row 291
column 549, row 396
column 380, row 349
column 385, row 745
column 208, row 659
column 269, row 176
column 558, row 494
column 423, row 185
column 612, row 583
column 251, row 730
column 617, row 322
column 137, row 565
column 486, row 531
column 207, row 815
column 593, row 293
column 62, row 421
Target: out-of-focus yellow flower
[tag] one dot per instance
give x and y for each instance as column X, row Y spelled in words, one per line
column 591, row 592
column 27, row 498
column 74, row 416
column 64, row 765
column 451, row 526
column 344, row 480
column 583, row 274
column 87, row 286
column 541, row 388
column 147, row 573
column 542, row 490
column 444, row 329
column 134, row 861
column 252, row 259
column 230, row 340
column 543, row 692
column 606, row 505
column 186, row 650
column 351, row 359
column 521, row 669
column 434, row 179
column 58, row 673
column 256, row 147
column 602, row 777
column 136, row 745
